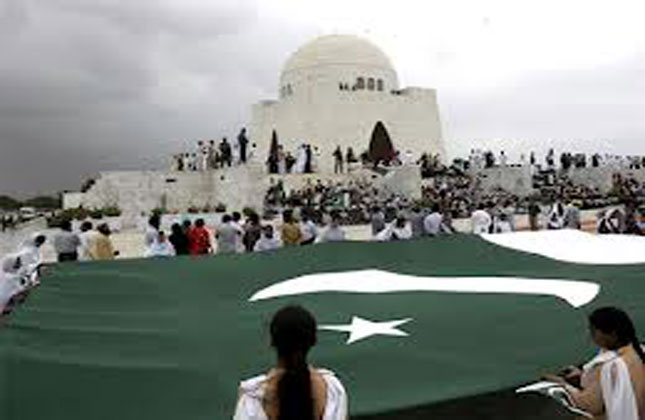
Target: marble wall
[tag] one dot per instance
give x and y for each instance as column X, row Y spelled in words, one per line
column 137, row 193
column 347, row 119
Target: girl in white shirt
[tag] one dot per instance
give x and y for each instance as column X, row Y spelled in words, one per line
column 293, row 390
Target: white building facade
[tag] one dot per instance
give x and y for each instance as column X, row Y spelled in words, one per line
column 333, row 92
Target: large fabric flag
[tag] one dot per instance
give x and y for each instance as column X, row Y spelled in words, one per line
column 406, row 326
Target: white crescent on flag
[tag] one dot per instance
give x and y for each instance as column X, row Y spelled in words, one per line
column 575, row 246
column 575, row 293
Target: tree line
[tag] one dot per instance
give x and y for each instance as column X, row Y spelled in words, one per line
column 41, row 202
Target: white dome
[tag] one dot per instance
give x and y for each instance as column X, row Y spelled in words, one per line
column 338, row 50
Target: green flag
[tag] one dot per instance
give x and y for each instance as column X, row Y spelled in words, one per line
column 403, row 325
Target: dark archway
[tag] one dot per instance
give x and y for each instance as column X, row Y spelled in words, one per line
column 381, row 147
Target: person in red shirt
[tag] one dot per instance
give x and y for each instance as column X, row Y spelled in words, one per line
column 200, row 241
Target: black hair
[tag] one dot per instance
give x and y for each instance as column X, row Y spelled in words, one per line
column 187, row 223
column 66, row 225
column 287, row 216
column 254, row 218
column 226, row 218
column 155, row 221
column 293, row 333
column 86, row 225
column 237, row 216
column 17, row 263
column 104, row 229
column 612, row 320
column 199, row 222
column 175, row 228
column 39, row 240
column 400, row 221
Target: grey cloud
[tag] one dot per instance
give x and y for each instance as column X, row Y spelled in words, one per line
column 586, row 110
column 84, row 85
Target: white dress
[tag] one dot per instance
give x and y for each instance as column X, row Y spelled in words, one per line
column 86, row 240
column 150, row 238
column 618, row 391
column 480, row 222
column 618, row 396
column 249, row 405
column 266, row 244
column 30, row 259
column 556, row 217
column 392, row 232
column 301, row 160
column 11, row 281
column 160, row 249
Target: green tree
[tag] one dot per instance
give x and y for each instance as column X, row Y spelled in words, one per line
column 9, row 203
column 44, row 202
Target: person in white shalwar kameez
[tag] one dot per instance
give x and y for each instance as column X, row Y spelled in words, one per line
column 556, row 216
column 151, row 233
column 301, row 160
column 86, row 236
column 398, row 230
column 293, row 389
column 480, row 220
column 160, row 247
column 11, row 280
column 267, row 241
column 30, row 258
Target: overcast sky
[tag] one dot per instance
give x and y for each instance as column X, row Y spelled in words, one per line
column 91, row 85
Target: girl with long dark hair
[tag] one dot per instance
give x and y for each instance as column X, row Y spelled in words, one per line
column 612, row 385
column 293, row 390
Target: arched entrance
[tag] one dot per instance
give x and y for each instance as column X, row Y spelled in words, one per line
column 381, row 147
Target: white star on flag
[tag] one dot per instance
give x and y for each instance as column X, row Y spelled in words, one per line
column 362, row 328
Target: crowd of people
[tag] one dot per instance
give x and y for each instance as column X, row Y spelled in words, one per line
column 234, row 235
column 480, row 159
column 318, row 213
column 459, row 193
column 303, row 161
column 459, row 197
column 8, row 221
column 209, row 156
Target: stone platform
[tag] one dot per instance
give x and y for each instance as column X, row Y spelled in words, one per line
column 137, row 193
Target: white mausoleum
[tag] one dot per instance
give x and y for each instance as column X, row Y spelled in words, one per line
column 333, row 91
